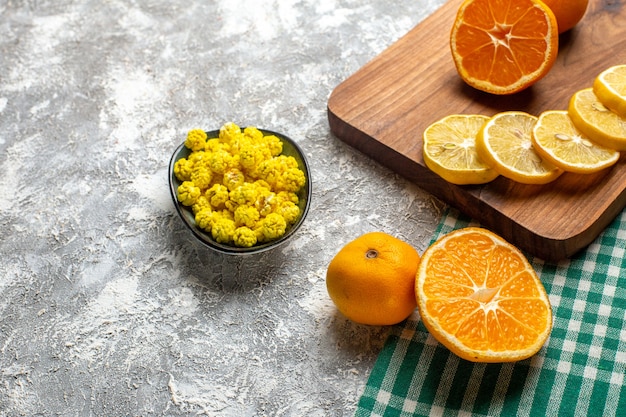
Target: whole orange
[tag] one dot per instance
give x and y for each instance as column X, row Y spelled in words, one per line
column 567, row 12
column 371, row 280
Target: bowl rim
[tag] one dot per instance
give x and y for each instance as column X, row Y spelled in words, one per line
column 205, row 238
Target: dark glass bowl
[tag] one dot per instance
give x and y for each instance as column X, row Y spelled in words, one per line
column 290, row 148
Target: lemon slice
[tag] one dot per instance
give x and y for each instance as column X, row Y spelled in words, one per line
column 505, row 143
column 450, row 150
column 596, row 121
column 610, row 88
column 558, row 141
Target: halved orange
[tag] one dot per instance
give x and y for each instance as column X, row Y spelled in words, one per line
column 479, row 296
column 504, row 46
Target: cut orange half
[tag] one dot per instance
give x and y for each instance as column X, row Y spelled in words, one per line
column 505, row 46
column 479, row 296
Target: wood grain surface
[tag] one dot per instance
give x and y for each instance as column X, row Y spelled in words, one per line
column 383, row 109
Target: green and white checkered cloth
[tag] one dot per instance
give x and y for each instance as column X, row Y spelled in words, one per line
column 579, row 372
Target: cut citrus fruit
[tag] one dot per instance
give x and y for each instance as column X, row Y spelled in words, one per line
column 567, row 12
column 479, row 296
column 595, row 120
column 610, row 88
column 505, row 46
column 558, row 141
column 371, row 280
column 450, row 150
column 505, row 143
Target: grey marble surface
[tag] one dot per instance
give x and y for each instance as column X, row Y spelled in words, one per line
column 108, row 306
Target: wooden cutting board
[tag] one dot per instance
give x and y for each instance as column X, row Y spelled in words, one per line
column 383, row 109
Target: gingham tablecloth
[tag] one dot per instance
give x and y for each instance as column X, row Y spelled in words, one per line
column 579, row 372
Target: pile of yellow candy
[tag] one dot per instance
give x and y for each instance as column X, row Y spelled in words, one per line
column 240, row 187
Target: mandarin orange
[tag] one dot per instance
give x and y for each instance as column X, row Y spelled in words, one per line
column 503, row 46
column 479, row 296
column 567, row 12
column 371, row 280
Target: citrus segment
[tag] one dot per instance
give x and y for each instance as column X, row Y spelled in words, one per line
column 371, row 280
column 567, row 12
column 505, row 46
column 479, row 296
column 596, row 121
column 449, row 150
column 558, row 141
column 610, row 88
column 505, row 143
